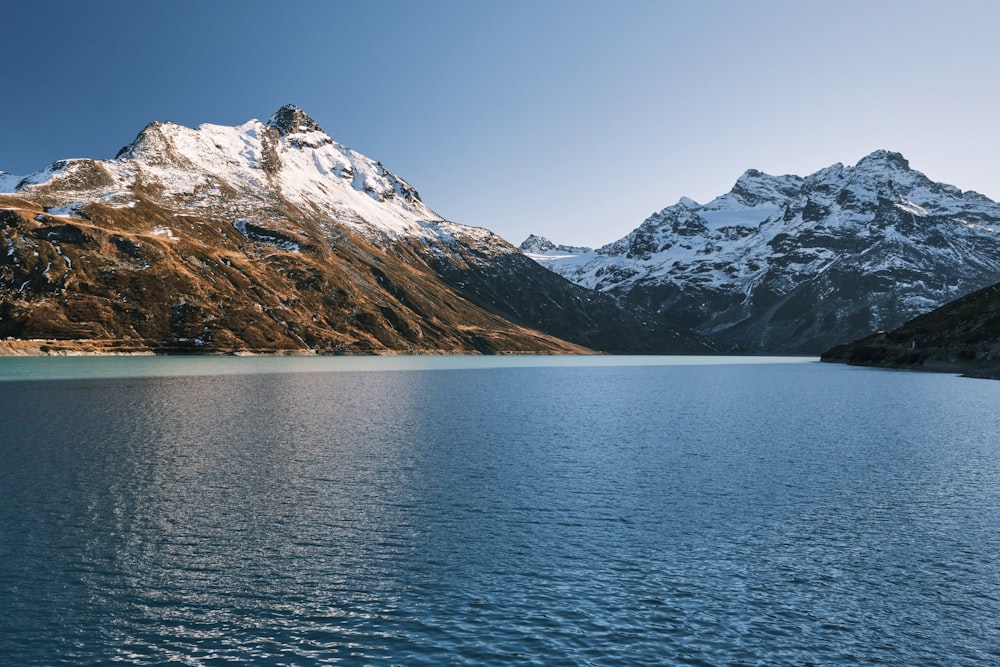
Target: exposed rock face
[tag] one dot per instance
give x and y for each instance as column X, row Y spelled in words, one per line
column 535, row 245
column 961, row 336
column 786, row 264
column 290, row 119
column 272, row 237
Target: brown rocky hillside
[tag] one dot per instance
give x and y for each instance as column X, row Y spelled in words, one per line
column 272, row 237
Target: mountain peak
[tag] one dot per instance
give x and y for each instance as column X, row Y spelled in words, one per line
column 537, row 244
column 755, row 186
column 290, row 119
column 884, row 158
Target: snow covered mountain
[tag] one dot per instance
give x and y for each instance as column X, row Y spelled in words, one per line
column 272, row 236
column 245, row 170
column 537, row 245
column 797, row 264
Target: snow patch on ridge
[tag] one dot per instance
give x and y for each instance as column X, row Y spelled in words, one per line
column 910, row 207
column 166, row 232
column 8, row 181
column 72, row 210
column 725, row 214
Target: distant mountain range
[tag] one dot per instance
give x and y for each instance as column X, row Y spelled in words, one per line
column 790, row 264
column 270, row 236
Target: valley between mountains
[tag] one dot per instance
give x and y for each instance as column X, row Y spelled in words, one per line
column 271, row 237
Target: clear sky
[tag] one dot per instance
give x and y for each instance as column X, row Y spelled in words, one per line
column 573, row 119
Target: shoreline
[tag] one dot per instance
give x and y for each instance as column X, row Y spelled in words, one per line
column 98, row 348
column 960, row 368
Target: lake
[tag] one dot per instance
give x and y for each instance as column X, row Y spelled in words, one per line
column 496, row 511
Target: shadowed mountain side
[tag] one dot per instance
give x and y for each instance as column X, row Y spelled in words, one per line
column 512, row 286
column 960, row 337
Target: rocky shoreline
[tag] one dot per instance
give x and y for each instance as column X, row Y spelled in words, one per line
column 122, row 348
column 960, row 337
column 875, row 356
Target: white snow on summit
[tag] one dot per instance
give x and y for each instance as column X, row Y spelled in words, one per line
column 798, row 264
column 731, row 241
column 249, row 168
column 308, row 169
column 543, row 250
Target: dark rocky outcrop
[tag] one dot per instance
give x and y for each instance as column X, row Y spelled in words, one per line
column 290, row 119
column 511, row 286
column 960, row 337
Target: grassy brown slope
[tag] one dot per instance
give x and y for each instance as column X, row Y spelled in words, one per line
column 117, row 278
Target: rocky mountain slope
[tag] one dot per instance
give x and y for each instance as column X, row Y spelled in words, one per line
column 273, row 237
column 962, row 336
column 538, row 245
column 790, row 264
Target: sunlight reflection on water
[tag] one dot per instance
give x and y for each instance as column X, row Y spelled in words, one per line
column 542, row 514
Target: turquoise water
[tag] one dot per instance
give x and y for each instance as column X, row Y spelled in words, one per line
column 507, row 511
column 94, row 367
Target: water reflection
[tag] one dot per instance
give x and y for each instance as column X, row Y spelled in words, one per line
column 265, row 500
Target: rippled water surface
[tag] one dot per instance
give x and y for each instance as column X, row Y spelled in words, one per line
column 506, row 512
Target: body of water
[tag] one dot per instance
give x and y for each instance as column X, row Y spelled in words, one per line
column 511, row 511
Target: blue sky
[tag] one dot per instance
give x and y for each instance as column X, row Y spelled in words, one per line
column 572, row 119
